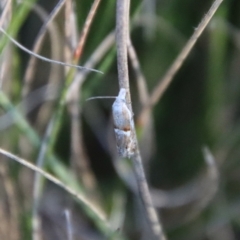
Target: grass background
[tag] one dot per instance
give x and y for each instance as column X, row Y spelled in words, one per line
column 200, row 108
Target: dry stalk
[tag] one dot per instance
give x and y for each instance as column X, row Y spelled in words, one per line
column 56, row 181
column 12, row 227
column 38, row 184
column 201, row 190
column 86, row 29
column 70, row 32
column 5, row 11
column 79, row 157
column 52, row 28
column 44, row 58
column 141, row 80
column 122, row 35
column 168, row 77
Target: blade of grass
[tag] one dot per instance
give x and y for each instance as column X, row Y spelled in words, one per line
column 20, row 15
column 91, row 210
column 53, row 30
column 54, row 164
column 168, row 77
column 86, row 28
column 44, row 58
column 79, row 157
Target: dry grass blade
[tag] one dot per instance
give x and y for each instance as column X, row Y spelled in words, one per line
column 35, row 98
column 54, row 34
column 105, row 45
column 70, row 32
column 141, row 80
column 11, row 216
column 44, row 58
column 6, row 8
column 4, row 19
column 145, row 122
column 79, row 157
column 202, row 189
column 167, row 79
column 86, row 28
column 60, row 184
column 37, row 184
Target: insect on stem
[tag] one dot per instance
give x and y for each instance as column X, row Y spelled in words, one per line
column 123, row 125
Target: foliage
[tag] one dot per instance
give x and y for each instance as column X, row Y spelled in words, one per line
column 45, row 119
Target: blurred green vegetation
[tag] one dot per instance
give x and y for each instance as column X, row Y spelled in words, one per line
column 200, row 108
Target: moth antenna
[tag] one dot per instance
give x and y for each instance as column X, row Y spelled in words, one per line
column 44, row 58
column 100, row 97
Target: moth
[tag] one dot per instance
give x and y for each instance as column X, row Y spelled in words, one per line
column 123, row 125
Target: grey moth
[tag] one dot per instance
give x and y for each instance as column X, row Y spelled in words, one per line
column 123, row 125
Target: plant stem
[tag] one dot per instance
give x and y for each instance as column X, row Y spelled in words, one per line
column 122, row 35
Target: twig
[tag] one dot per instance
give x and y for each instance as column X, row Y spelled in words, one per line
column 122, row 35
column 168, row 77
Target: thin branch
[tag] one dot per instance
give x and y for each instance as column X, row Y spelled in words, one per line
column 168, row 77
column 122, row 36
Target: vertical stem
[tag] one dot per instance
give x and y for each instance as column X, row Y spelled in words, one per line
column 122, row 36
column 121, row 42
